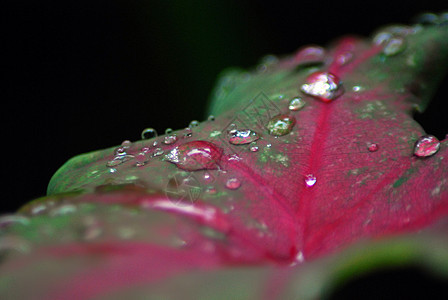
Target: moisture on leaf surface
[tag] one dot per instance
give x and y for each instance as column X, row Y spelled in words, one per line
column 334, row 162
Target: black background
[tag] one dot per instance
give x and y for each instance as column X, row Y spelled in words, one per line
column 85, row 75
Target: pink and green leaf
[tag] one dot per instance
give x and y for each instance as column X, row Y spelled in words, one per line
column 191, row 216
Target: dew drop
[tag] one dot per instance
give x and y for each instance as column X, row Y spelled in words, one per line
column 394, row 46
column 208, row 177
column 195, row 155
column 188, row 133
column 344, row 58
column 211, row 118
column 193, row 123
column 426, row 146
column 253, row 147
column 148, row 133
column 170, row 139
column 243, row 136
column 372, row 147
column 427, row 19
column 211, row 190
column 114, row 162
column 9, row 220
column 141, row 159
column 126, row 144
column 281, row 125
column 296, row 104
column 145, row 149
column 309, row 55
column 310, row 180
column 157, row 152
column 233, row 183
column 323, row 85
column 120, row 151
column 168, row 131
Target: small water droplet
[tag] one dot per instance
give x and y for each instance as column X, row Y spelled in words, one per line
column 211, row 118
column 63, row 210
column 281, row 125
column 120, row 151
column 148, row 133
column 188, row 133
column 394, row 46
column 269, row 145
column 168, row 130
column 145, row 149
column 211, row 190
column 233, row 183
column 372, row 147
column 9, row 220
column 141, row 159
column 296, row 104
column 323, row 85
column 253, row 147
column 126, row 144
column 208, row 177
column 112, row 170
column 193, row 123
column 310, row 54
column 195, row 155
column 155, row 143
column 157, row 152
column 170, row 139
column 115, row 162
column 427, row 19
column 356, row 88
column 310, row 180
column 344, row 58
column 426, row 146
column 242, row 136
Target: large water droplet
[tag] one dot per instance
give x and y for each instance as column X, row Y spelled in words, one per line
column 148, row 133
column 426, row 146
column 323, row 85
column 310, row 180
column 195, row 155
column 296, row 104
column 242, row 136
column 233, row 183
column 281, row 125
column 394, row 46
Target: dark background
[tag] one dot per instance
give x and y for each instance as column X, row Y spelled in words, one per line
column 85, row 75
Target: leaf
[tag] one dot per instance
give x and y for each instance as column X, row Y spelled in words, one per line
column 293, row 187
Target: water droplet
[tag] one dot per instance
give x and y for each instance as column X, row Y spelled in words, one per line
column 145, row 149
column 114, row 162
column 195, row 155
column 372, row 147
column 211, row 190
column 323, row 85
column 148, row 133
column 168, row 130
column 208, row 177
column 170, row 139
column 158, row 152
column 120, row 151
column 188, row 133
column 309, row 55
column 253, row 147
column 233, row 183
column 394, row 46
column 141, row 159
column 296, row 104
column 112, row 170
column 310, row 180
column 193, row 123
column 155, row 143
column 126, row 144
column 9, row 220
column 243, row 136
column 344, row 58
column 281, row 125
column 427, row 19
column 63, row 210
column 356, row 88
column 211, row 118
column 426, row 146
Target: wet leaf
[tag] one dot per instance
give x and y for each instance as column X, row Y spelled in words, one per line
column 159, row 217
